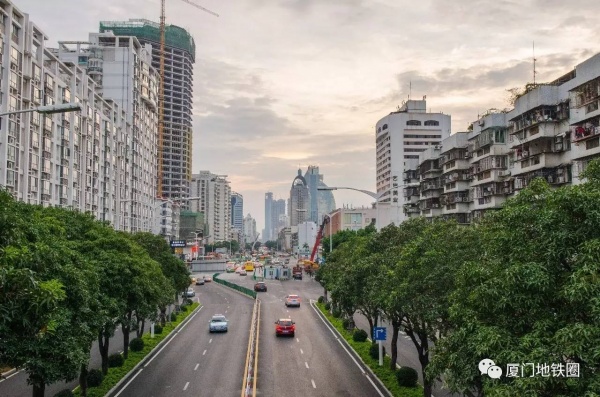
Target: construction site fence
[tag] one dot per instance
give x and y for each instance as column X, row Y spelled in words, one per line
column 236, row 287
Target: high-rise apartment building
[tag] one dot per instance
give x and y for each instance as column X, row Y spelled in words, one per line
column 180, row 54
column 266, row 234
column 400, row 137
column 277, row 212
column 321, row 201
column 215, row 202
column 122, row 68
column 82, row 160
column 299, row 200
column 237, row 211
column 249, row 229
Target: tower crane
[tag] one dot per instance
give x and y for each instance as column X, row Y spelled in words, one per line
column 161, row 90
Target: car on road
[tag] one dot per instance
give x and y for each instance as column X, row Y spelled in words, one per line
column 285, row 326
column 230, row 270
column 292, row 300
column 218, row 323
column 243, row 273
column 199, row 281
column 189, row 293
column 207, row 279
column 260, row 286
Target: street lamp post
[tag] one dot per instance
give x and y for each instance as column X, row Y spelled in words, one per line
column 50, row 109
column 376, row 196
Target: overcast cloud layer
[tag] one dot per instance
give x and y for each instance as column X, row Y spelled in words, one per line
column 285, row 83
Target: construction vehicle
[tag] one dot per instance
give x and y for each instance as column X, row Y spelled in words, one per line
column 297, row 272
column 318, row 239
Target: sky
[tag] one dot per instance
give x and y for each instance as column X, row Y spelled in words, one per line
column 283, row 84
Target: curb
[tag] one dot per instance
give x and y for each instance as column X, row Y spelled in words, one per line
column 152, row 353
column 356, row 355
column 4, row 375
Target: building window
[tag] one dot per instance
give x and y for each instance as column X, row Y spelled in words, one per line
column 413, row 122
column 432, row 122
column 411, row 157
column 385, row 127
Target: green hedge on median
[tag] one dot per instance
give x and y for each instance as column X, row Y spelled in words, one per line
column 384, row 373
column 116, row 374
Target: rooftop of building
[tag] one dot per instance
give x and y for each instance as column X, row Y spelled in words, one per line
column 142, row 28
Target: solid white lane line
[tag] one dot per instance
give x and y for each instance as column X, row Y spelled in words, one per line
column 166, row 344
column 305, row 363
column 301, row 352
column 128, row 383
column 313, row 383
column 186, row 386
column 203, row 353
column 196, row 367
column 210, row 341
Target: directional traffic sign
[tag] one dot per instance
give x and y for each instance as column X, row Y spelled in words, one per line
column 380, row 333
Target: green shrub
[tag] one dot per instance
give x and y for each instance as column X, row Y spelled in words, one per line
column 94, row 377
column 188, row 301
column 115, row 360
column 337, row 313
column 407, row 377
column 136, row 344
column 64, row 393
column 328, row 306
column 158, row 329
column 173, row 316
column 321, row 299
column 348, row 323
column 374, row 351
column 183, row 308
column 360, row 335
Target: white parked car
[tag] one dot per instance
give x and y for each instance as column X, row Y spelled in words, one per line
column 189, row 293
column 218, row 323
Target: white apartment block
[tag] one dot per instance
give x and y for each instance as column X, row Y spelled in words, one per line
column 249, row 229
column 215, row 203
column 552, row 133
column 350, row 219
column 73, row 160
column 122, row 69
column 400, row 137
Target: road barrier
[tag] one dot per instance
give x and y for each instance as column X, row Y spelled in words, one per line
column 251, row 367
column 236, row 287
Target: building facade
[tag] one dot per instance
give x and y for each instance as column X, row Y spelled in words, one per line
column 250, row 233
column 237, row 211
column 350, row 219
column 122, row 68
column 80, row 160
column 266, row 234
column 180, row 54
column 299, row 200
column 215, row 202
column 399, row 138
column 321, row 201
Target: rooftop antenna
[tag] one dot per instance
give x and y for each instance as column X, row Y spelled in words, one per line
column 409, row 90
column 534, row 72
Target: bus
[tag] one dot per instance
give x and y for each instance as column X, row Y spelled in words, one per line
column 249, row 266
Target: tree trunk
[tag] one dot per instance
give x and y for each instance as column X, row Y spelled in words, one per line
column 39, row 389
column 325, row 294
column 140, row 328
column 163, row 316
column 424, row 359
column 126, row 328
column 103, row 342
column 372, row 325
column 395, row 331
column 83, row 380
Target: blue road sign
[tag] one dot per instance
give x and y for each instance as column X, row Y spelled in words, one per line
column 380, row 333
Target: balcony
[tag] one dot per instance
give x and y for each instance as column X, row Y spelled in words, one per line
column 584, row 132
column 539, row 131
column 457, row 197
column 428, row 204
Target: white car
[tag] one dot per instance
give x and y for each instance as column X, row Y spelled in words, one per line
column 218, row 323
column 189, row 293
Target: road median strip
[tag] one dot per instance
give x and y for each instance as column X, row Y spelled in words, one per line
column 384, row 374
column 117, row 376
column 237, row 288
column 251, row 366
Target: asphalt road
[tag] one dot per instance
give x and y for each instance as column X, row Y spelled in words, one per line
column 196, row 362
column 310, row 289
column 313, row 362
column 16, row 385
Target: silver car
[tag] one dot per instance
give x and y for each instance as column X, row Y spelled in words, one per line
column 218, row 323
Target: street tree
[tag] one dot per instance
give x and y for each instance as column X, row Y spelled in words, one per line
column 533, row 296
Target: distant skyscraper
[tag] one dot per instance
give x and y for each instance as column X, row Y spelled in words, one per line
column 277, row 210
column 321, row 201
column 266, row 235
column 237, row 211
column 299, row 200
column 249, row 229
column 180, row 56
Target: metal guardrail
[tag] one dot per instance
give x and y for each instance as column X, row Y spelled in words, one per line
column 236, row 287
column 251, row 367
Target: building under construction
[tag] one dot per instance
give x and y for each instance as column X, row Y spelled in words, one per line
column 180, row 54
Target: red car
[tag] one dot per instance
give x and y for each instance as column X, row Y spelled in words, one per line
column 285, row 326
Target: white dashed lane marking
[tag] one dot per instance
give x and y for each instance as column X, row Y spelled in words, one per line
column 305, row 363
column 196, row 367
column 313, row 383
column 186, row 386
column 204, row 352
